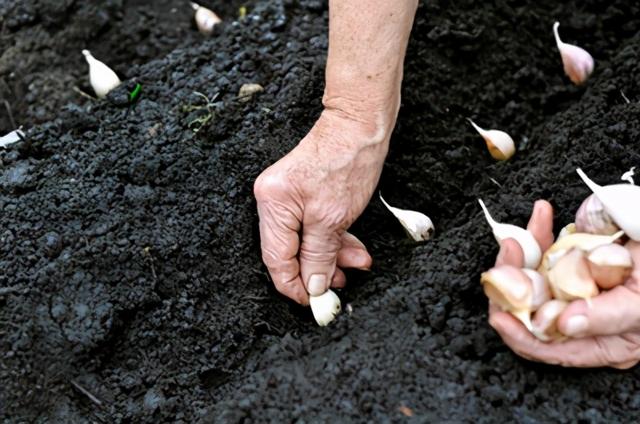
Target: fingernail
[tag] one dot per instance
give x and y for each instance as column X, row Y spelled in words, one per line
column 317, row 284
column 577, row 325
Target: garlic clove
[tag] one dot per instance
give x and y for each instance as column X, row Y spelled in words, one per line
column 610, row 265
column 567, row 229
column 417, row 225
column 247, row 91
column 622, row 203
column 582, row 241
column 628, row 176
column 577, row 62
column 499, row 143
column 205, row 18
column 545, row 320
column 540, row 290
column 525, row 239
column 325, row 307
column 11, row 138
column 593, row 219
column 510, row 289
column 570, row 278
column 101, row 77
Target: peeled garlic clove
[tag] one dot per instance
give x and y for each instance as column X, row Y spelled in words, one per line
column 544, row 321
column 567, row 229
column 583, row 241
column 610, row 265
column 622, row 203
column 525, row 239
column 205, row 18
column 499, row 143
column 540, row 290
column 510, row 289
column 593, row 219
column 417, row 225
column 570, row 278
column 101, row 77
column 578, row 63
column 325, row 307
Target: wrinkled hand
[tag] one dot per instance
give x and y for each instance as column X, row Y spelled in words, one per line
column 309, row 198
column 605, row 334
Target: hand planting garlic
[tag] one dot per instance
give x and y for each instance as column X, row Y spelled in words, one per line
column 525, row 239
column 499, row 143
column 205, row 18
column 577, row 62
column 102, row 78
column 325, row 307
column 418, row 225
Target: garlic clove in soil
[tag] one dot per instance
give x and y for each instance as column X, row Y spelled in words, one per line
column 577, row 62
column 511, row 290
column 525, row 239
column 102, row 78
column 205, row 18
column 610, row 265
column 570, row 278
column 417, row 225
column 593, row 219
column 621, row 202
column 247, row 91
column 545, row 320
column 540, row 290
column 325, row 307
column 582, row 241
column 499, row 143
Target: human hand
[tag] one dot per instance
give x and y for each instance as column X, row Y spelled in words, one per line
column 607, row 333
column 309, row 198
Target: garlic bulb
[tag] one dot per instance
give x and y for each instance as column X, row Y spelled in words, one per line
column 525, row 239
column 593, row 219
column 578, row 63
column 511, row 290
column 544, row 321
column 325, row 307
column 205, row 18
column 570, row 278
column 102, row 78
column 540, row 290
column 499, row 143
column 417, row 225
column 610, row 265
column 622, row 203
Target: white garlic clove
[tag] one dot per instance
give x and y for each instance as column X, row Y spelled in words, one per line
column 540, row 290
column 622, row 203
column 510, row 289
column 499, row 143
column 247, row 91
column 577, row 62
column 11, row 138
column 545, row 320
column 628, row 176
column 567, row 229
column 610, row 265
column 418, row 225
column 582, row 241
column 570, row 278
column 525, row 239
column 101, row 77
column 325, row 307
column 205, row 18
column 593, row 219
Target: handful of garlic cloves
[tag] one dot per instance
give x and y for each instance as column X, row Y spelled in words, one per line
column 588, row 257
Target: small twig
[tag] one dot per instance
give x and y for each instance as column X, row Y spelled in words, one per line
column 83, row 94
column 626, row 99
column 85, row 392
column 8, row 107
column 495, row 182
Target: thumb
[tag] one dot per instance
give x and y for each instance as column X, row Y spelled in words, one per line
column 318, row 254
column 614, row 312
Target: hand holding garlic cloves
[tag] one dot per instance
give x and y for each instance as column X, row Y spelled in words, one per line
column 573, row 333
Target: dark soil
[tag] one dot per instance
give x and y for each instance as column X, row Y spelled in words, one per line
column 132, row 289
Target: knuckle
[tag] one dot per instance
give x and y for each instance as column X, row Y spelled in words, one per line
column 267, row 185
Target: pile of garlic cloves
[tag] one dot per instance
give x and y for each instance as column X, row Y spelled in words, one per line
column 590, row 255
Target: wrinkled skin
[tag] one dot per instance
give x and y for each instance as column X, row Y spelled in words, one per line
column 607, row 334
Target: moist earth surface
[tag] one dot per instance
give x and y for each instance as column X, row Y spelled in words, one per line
column 132, row 288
